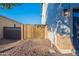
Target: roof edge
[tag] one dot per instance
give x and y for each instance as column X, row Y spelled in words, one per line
column 10, row 19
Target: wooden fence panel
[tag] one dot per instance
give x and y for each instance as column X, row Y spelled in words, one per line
column 34, row 31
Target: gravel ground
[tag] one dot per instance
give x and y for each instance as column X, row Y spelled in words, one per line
column 34, row 47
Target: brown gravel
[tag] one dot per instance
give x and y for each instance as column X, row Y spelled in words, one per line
column 34, row 47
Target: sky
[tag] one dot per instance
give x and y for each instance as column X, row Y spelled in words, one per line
column 28, row 13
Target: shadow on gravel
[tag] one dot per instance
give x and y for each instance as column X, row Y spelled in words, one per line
column 7, row 41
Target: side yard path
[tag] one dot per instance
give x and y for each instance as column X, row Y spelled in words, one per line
column 8, row 44
column 33, row 47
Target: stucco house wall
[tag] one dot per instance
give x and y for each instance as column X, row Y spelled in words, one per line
column 55, row 13
column 6, row 22
column 55, row 17
column 44, row 10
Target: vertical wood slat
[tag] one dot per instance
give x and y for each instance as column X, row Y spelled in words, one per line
column 35, row 31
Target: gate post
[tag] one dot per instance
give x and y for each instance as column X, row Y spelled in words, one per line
column 22, row 30
column 46, row 32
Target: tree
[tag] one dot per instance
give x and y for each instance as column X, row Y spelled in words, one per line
column 8, row 5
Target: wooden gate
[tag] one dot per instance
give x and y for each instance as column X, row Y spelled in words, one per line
column 12, row 33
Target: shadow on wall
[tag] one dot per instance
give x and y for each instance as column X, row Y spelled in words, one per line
column 55, row 18
column 59, row 23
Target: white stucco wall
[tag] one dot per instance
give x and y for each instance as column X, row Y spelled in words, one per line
column 44, row 10
column 54, row 14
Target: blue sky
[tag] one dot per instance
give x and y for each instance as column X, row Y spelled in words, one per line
column 28, row 13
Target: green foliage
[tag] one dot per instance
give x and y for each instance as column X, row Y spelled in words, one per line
column 8, row 5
